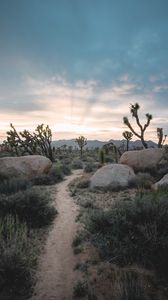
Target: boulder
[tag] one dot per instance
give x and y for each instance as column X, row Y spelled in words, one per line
column 24, row 166
column 162, row 182
column 112, row 176
column 141, row 160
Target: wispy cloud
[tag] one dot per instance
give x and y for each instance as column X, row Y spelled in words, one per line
column 83, row 107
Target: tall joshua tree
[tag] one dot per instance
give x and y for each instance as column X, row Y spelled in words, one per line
column 134, row 111
column 81, row 141
column 161, row 137
column 24, row 142
column 128, row 136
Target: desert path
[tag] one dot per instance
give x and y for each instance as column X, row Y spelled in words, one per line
column 55, row 274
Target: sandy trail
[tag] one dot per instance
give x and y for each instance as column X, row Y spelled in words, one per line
column 55, row 275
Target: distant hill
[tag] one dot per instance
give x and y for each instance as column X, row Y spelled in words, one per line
column 95, row 143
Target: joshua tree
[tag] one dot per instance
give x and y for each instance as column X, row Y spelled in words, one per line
column 161, row 137
column 128, row 136
column 134, row 111
column 38, row 142
column 81, row 141
column 110, row 147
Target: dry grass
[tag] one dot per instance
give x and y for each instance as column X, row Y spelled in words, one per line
column 107, row 281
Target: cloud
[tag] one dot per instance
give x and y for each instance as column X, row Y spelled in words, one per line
column 81, row 63
column 82, row 107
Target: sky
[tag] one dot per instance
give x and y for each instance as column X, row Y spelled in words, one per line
column 77, row 65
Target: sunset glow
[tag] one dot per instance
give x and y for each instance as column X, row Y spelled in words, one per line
column 77, row 68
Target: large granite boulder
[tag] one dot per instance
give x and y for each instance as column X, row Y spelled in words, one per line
column 112, row 176
column 24, row 166
column 147, row 159
column 162, row 182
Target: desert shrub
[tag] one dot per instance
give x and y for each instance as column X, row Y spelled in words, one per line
column 80, row 289
column 133, row 231
column 131, row 284
column 87, row 204
column 109, row 159
column 142, row 181
column 161, row 172
column 83, row 183
column 17, row 259
column 3, row 177
column 43, row 180
column 92, row 167
column 66, row 161
column 97, row 165
column 78, row 250
column 162, row 189
column 89, row 168
column 88, row 159
column 65, row 168
column 13, row 185
column 32, row 206
column 77, row 241
column 77, row 164
column 56, row 174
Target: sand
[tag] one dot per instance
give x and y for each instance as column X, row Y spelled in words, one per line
column 55, row 274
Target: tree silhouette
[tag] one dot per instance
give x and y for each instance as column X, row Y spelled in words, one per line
column 128, row 136
column 24, row 142
column 161, row 137
column 134, row 111
column 81, row 141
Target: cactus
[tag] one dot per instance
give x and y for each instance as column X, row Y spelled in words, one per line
column 134, row 111
column 102, row 156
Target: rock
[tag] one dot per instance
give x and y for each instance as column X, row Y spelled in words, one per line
column 141, row 160
column 112, row 176
column 162, row 182
column 24, row 166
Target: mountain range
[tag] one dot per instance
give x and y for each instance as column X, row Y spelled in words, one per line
column 96, row 143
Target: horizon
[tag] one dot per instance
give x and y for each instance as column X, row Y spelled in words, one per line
column 77, row 66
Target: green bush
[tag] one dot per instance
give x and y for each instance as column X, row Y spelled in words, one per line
column 89, row 168
column 77, row 164
column 65, row 168
column 44, row 180
column 79, row 238
column 13, row 185
column 56, row 173
column 83, row 183
column 142, row 181
column 32, row 206
column 134, row 232
column 66, row 161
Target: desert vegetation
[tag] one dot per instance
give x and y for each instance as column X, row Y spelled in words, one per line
column 25, row 213
column 24, row 142
column 134, row 112
column 123, row 213
column 128, row 229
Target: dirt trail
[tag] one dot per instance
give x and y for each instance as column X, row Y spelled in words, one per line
column 56, row 276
